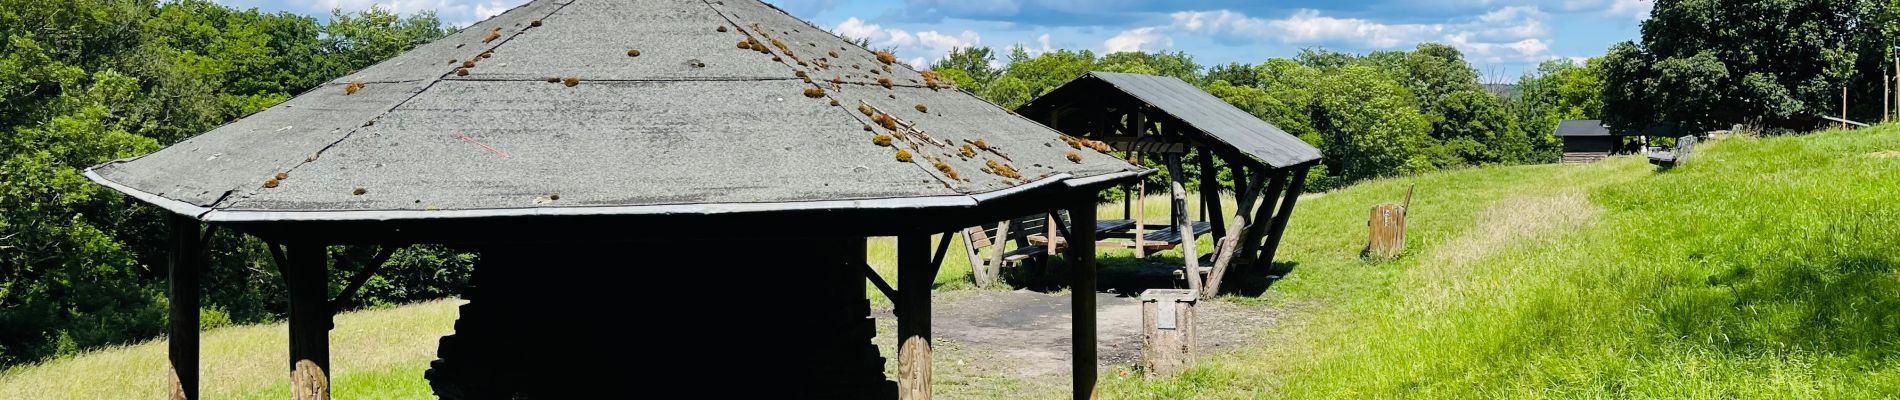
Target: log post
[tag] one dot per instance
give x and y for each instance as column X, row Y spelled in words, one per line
column 1210, row 194
column 306, row 276
column 1257, row 228
column 1229, row 245
column 1167, row 331
column 1082, row 297
column 914, row 278
column 1280, row 218
column 1182, row 226
column 184, row 292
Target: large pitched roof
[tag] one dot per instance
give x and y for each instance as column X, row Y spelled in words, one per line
column 699, row 121
column 1245, row 132
column 1582, row 127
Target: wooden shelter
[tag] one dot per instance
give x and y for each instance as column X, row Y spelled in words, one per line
column 672, row 194
column 1145, row 116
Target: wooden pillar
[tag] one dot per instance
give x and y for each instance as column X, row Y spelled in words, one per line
column 1138, row 125
column 1182, row 226
column 307, row 277
column 1210, row 194
column 1082, row 297
column 185, row 273
column 1225, row 249
column 1257, row 228
column 1280, row 218
column 914, row 278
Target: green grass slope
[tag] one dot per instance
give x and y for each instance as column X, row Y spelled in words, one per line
column 1765, row 268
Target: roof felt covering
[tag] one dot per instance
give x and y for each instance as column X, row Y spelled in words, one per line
column 1223, row 122
column 1582, row 127
column 560, row 115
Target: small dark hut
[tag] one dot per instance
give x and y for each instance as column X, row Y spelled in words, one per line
column 1588, row 140
column 667, row 196
column 1145, row 116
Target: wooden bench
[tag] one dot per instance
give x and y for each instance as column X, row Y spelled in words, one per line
column 1669, row 159
column 988, row 245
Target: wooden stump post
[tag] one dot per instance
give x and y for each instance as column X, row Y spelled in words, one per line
column 914, row 278
column 1082, row 296
column 1182, row 226
column 1386, row 236
column 183, row 283
column 306, row 275
column 1167, row 331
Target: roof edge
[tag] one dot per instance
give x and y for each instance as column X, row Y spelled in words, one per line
column 208, row 214
column 179, row 207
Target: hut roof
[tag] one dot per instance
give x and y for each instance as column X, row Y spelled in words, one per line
column 1223, row 122
column 589, row 107
column 1582, row 127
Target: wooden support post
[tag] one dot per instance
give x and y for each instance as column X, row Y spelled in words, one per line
column 1280, row 218
column 1141, row 208
column 1182, row 226
column 1082, row 297
column 186, row 271
column 306, row 276
column 1886, row 89
column 1228, row 246
column 1167, row 331
column 1210, row 194
column 914, row 278
column 1257, row 227
column 1843, row 105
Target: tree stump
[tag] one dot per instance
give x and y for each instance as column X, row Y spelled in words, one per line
column 1167, row 331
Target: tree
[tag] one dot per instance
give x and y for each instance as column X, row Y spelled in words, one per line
column 1234, row 73
column 973, row 62
column 1368, row 125
column 1708, row 64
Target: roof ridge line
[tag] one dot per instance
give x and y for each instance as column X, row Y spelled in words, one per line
column 928, row 170
column 232, row 195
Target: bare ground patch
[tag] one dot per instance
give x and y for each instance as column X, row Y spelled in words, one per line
column 992, row 343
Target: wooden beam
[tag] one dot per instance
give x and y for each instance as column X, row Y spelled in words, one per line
column 943, row 250
column 362, row 276
column 1210, row 194
column 1229, row 245
column 914, row 278
column 882, row 286
column 1082, row 296
column 1182, row 226
column 184, row 293
column 1280, row 218
column 1257, row 227
column 307, row 277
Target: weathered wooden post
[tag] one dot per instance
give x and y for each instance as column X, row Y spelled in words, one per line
column 187, row 268
column 306, row 275
column 1386, row 236
column 1167, row 331
column 1182, row 226
column 914, row 277
column 1082, row 297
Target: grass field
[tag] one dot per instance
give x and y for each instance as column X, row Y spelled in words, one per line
column 1764, row 268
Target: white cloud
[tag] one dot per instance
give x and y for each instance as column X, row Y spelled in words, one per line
column 1138, row 39
column 932, row 45
column 1505, row 34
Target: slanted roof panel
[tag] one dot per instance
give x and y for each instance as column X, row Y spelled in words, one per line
column 1582, row 127
column 677, row 40
column 951, row 119
column 815, row 47
column 442, row 57
column 1245, row 132
column 522, row 143
column 245, row 153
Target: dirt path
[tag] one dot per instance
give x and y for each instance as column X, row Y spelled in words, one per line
column 1024, row 336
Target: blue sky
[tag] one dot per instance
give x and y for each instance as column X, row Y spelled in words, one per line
column 1502, row 38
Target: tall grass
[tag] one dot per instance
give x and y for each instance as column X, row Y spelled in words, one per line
column 1765, row 268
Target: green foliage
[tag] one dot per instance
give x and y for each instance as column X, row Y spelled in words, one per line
column 1707, row 64
column 968, row 66
column 87, row 81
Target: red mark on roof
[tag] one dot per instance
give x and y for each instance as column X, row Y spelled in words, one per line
column 491, row 149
